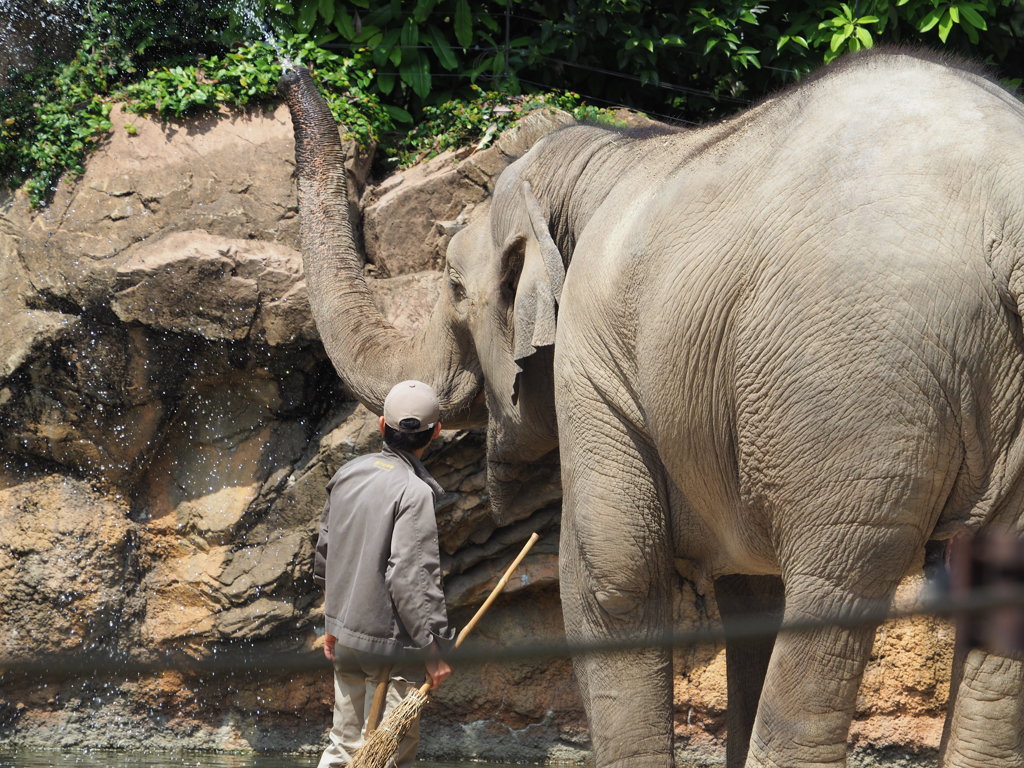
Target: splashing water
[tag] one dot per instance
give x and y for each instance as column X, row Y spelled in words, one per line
column 257, row 25
column 31, row 30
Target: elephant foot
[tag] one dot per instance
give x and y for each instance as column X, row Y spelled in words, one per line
column 659, row 760
column 818, row 756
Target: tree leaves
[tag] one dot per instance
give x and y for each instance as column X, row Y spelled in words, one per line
column 718, row 55
column 689, row 59
column 463, row 24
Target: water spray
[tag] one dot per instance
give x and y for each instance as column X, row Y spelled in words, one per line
column 247, row 13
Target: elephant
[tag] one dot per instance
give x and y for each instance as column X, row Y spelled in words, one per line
column 786, row 347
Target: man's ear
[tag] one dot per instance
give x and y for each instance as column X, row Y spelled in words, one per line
column 532, row 277
column 382, row 425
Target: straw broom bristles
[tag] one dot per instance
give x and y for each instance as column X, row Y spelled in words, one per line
column 382, row 744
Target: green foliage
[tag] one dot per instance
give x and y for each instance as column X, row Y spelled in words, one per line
column 701, row 61
column 841, row 29
column 43, row 137
column 250, row 73
column 459, row 122
column 448, row 69
column 53, row 115
column 138, row 34
column 690, row 58
column 423, row 50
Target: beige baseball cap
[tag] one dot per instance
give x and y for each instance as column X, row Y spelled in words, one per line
column 411, row 406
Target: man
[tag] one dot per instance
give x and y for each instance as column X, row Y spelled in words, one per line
column 377, row 560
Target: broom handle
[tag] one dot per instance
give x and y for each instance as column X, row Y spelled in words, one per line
column 425, row 688
column 380, row 694
column 496, row 591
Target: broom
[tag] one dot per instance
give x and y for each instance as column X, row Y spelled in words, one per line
column 382, row 744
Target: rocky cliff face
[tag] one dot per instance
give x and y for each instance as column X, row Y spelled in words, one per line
column 168, row 421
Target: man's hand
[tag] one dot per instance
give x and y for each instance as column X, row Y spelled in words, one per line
column 437, row 668
column 329, row 641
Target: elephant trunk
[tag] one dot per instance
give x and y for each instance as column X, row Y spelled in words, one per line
column 369, row 353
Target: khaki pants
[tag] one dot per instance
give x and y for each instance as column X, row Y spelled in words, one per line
column 355, row 680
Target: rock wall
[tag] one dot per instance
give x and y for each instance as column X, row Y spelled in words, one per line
column 168, row 421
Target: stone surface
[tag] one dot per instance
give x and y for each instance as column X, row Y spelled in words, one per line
column 168, row 423
column 415, row 207
column 214, row 287
column 228, row 174
column 68, row 567
column 425, row 205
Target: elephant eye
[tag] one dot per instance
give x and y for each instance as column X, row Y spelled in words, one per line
column 457, row 288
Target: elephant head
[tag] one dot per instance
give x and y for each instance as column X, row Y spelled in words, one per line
column 486, row 347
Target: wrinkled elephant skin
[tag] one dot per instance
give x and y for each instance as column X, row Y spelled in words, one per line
column 788, row 346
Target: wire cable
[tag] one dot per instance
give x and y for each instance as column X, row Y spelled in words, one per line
column 232, row 660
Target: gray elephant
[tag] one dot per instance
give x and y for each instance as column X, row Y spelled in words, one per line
column 788, row 349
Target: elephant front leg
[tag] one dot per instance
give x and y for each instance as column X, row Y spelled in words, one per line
column 616, row 584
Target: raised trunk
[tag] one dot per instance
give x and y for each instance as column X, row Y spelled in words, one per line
column 369, row 353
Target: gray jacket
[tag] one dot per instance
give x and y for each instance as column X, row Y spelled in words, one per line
column 377, row 555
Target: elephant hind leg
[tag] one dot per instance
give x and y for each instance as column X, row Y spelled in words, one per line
column 985, row 723
column 985, row 720
column 741, row 597
column 809, row 693
column 810, row 690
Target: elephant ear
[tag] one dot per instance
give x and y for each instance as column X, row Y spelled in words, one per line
column 539, row 287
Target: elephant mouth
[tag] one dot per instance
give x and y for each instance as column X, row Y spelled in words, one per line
column 517, row 489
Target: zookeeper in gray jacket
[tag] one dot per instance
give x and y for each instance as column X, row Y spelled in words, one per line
column 378, row 562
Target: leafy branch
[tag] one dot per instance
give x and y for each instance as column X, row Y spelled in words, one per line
column 408, row 62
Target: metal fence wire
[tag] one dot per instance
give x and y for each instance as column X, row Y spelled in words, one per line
column 984, row 594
